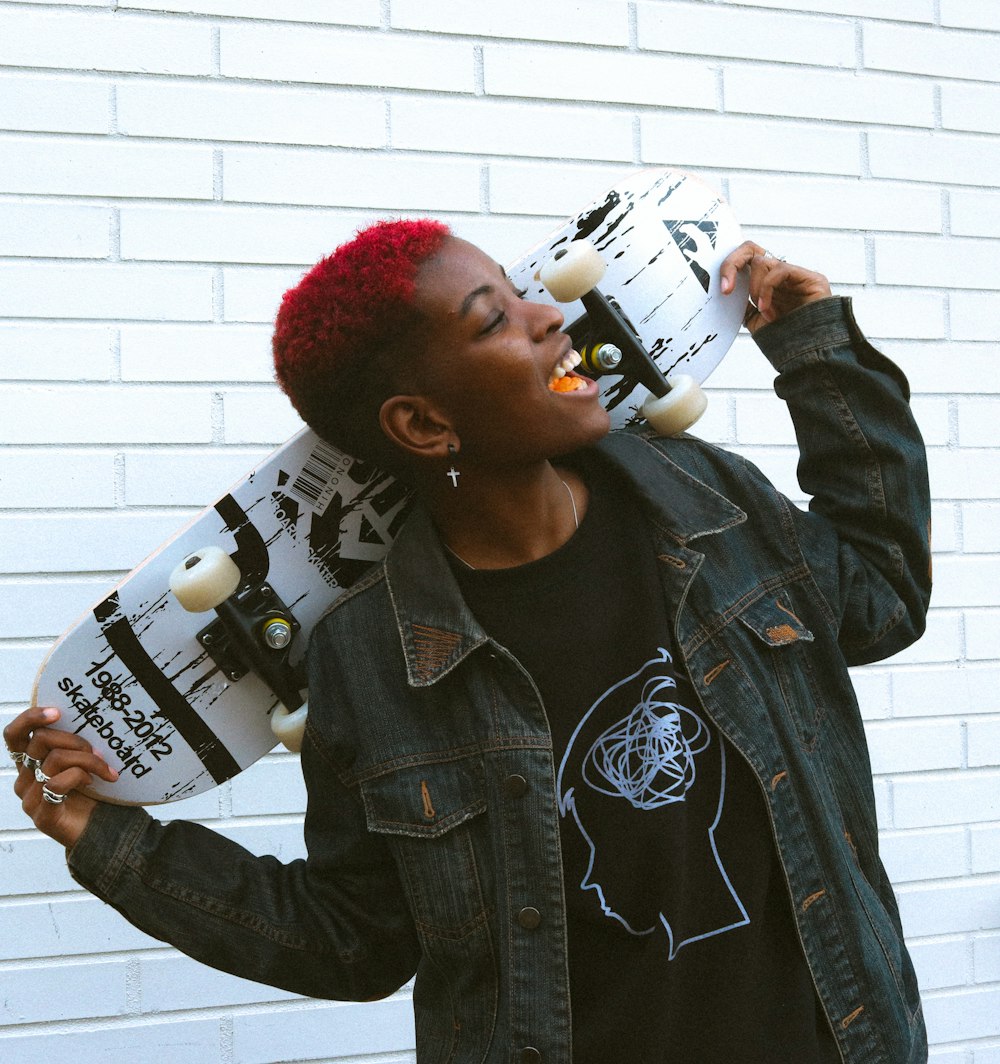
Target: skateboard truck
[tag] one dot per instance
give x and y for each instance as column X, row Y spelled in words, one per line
column 253, row 631
column 675, row 403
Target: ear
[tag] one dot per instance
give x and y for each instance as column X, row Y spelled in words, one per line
column 416, row 426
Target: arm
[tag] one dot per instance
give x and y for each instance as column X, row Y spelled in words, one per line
column 867, row 533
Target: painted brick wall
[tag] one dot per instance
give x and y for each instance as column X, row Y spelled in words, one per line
column 169, row 167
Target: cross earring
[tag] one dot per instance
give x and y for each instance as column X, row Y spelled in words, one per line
column 453, row 472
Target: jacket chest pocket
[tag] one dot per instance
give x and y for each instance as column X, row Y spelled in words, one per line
column 785, row 640
column 430, row 815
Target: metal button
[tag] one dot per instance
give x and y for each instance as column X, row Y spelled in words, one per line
column 515, row 786
column 530, row 1055
column 529, row 918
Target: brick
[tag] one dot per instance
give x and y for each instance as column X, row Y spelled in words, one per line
column 57, row 479
column 981, row 528
column 506, row 239
column 489, row 127
column 46, row 105
column 874, row 691
column 911, row 746
column 176, row 1042
column 108, row 41
column 699, row 29
column 261, row 1037
column 975, row 213
column 973, row 15
column 384, row 182
column 945, row 692
column 546, row 188
column 830, row 204
column 982, row 635
column 985, row 849
column 748, row 143
column 250, row 112
column 963, row 473
column 253, row 295
column 942, row 909
column 38, row 608
column 948, row 798
column 73, row 3
column 188, row 353
column 967, row 580
column 942, row 263
column 54, row 231
column 98, row 989
column 971, row 368
column 986, row 958
column 963, row 1014
column 916, row 856
column 763, row 419
column 333, row 12
column 940, row 964
column 894, row 10
column 840, row 256
column 185, row 478
column 610, row 77
column 975, row 316
column 557, row 20
column 260, row 415
column 971, row 107
column 275, row 787
column 942, row 641
column 171, row 983
column 944, row 518
column 232, row 234
column 51, row 414
column 308, row 54
column 934, row 419
column 93, row 543
column 835, row 96
column 984, row 743
column 34, row 864
column 55, row 352
column 19, row 666
column 138, row 293
column 942, row 158
column 106, row 168
column 64, row 927
column 936, row 52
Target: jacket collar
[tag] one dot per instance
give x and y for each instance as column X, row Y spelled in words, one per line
column 436, row 627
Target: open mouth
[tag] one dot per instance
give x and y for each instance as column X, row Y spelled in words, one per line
column 563, row 379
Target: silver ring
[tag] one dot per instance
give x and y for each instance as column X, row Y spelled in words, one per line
column 40, row 775
column 52, row 796
column 16, row 756
column 30, row 763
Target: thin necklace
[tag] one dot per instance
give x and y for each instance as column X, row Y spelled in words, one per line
column 576, row 522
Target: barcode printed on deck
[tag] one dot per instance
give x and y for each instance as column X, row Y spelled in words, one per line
column 320, row 476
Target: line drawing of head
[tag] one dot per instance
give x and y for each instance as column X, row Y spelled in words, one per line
column 636, row 745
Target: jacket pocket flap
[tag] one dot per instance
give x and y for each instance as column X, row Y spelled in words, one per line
column 424, row 800
column 773, row 621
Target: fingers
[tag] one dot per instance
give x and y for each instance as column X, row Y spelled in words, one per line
column 736, row 261
column 17, row 734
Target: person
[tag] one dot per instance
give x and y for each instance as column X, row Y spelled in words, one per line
column 582, row 753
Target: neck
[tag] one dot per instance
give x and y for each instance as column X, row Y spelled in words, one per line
column 508, row 517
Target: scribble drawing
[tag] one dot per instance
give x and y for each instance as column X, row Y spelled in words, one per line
column 652, row 753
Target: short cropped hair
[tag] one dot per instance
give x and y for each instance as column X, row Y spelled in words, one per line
column 347, row 334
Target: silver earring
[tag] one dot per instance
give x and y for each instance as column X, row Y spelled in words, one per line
column 453, row 473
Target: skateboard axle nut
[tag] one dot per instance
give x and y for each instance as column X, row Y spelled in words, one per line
column 277, row 633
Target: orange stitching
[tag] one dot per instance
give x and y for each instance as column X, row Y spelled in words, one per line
column 785, row 609
column 812, row 897
column 848, row 1020
column 677, row 563
column 777, row 779
column 432, row 648
column 782, row 633
column 428, row 804
column 713, row 673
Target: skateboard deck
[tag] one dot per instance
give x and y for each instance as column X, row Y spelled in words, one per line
column 136, row 675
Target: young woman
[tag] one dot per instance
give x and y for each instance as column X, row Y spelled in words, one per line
column 582, row 753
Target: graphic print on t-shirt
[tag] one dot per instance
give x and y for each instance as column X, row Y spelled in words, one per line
column 638, row 754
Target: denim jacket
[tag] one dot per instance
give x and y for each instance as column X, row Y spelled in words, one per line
column 432, row 825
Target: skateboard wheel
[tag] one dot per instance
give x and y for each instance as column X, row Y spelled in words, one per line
column 572, row 271
column 679, row 409
column 289, row 726
column 205, row 579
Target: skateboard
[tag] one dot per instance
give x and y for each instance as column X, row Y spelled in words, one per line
column 191, row 668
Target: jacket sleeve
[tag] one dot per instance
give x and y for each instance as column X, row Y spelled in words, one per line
column 333, row 925
column 866, row 535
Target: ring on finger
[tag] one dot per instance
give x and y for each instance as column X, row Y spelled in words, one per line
column 52, row 796
column 17, row 756
column 30, row 763
column 40, row 775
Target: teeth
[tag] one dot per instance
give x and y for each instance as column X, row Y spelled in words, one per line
column 559, row 371
column 569, row 362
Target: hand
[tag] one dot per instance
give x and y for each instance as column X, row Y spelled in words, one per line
column 776, row 287
column 67, row 760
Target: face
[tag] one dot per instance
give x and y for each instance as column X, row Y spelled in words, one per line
column 490, row 360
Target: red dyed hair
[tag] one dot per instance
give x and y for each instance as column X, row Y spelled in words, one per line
column 343, row 333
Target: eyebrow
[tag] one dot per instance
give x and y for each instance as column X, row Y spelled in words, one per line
column 482, row 290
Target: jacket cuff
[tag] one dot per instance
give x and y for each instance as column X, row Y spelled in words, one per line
column 825, row 322
column 99, row 854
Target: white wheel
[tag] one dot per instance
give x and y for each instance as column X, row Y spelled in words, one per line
column 679, row 409
column 572, row 271
column 205, row 579
column 289, row 727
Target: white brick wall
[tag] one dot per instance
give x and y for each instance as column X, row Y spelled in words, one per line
column 169, row 167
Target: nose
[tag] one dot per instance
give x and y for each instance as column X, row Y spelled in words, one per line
column 545, row 319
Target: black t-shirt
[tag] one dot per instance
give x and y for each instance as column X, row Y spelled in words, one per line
column 682, row 944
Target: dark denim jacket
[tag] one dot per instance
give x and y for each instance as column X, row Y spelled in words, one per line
column 432, row 826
